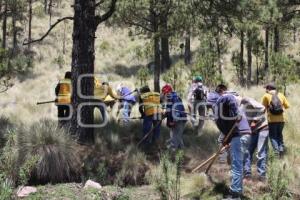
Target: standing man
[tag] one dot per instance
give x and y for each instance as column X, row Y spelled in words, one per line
column 255, row 113
column 63, row 91
column 176, row 117
column 127, row 101
column 197, row 100
column 275, row 104
column 150, row 110
column 229, row 117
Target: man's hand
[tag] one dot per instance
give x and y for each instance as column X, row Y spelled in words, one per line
column 239, row 118
column 171, row 124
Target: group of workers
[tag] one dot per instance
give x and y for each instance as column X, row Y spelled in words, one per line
column 242, row 121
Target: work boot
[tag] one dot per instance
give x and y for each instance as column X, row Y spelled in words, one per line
column 233, row 196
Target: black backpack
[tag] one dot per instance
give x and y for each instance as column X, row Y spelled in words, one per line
column 199, row 93
column 275, row 106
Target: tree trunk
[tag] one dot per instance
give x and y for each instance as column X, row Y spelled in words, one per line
column 14, row 29
column 242, row 64
column 29, row 23
column 295, row 34
column 165, row 52
column 219, row 54
column 187, row 49
column 45, row 6
column 276, row 39
column 249, row 59
column 50, row 12
column 156, row 55
column 4, row 25
column 64, row 39
column 267, row 49
column 83, row 64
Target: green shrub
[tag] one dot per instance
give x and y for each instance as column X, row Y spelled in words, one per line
column 55, row 150
column 143, row 75
column 5, row 125
column 167, row 179
column 8, row 160
column 6, row 189
column 278, row 180
column 283, row 70
column 175, row 77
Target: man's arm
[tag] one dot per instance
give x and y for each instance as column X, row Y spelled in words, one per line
column 285, row 103
column 112, row 93
column 265, row 102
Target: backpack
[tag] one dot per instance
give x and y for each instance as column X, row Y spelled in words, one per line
column 199, row 93
column 275, row 106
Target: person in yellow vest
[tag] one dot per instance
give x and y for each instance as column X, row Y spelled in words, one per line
column 275, row 104
column 103, row 93
column 63, row 93
column 150, row 109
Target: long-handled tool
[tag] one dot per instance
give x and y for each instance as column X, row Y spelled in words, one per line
column 45, row 102
column 150, row 132
column 221, row 147
column 224, row 148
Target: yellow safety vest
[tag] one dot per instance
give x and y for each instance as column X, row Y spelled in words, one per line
column 65, row 91
column 151, row 103
column 103, row 92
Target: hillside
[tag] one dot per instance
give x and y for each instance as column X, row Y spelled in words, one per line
column 125, row 171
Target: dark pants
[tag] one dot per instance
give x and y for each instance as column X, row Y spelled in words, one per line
column 150, row 123
column 63, row 114
column 276, row 137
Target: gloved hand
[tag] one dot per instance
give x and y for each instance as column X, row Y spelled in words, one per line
column 239, row 118
column 171, row 124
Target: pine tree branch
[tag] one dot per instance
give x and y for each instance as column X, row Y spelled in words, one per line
column 99, row 3
column 101, row 18
column 49, row 30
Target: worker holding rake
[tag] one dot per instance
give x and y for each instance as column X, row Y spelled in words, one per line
column 233, row 123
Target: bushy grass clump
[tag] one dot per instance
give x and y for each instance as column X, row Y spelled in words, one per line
column 133, row 168
column 5, row 125
column 54, row 151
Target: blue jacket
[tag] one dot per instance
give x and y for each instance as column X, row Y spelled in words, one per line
column 126, row 96
column 227, row 110
column 174, row 108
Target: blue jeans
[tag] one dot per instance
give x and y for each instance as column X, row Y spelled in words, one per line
column 176, row 132
column 259, row 141
column 276, row 136
column 126, row 111
column 238, row 148
column 149, row 123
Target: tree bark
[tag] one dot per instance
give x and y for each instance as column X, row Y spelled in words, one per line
column 29, row 22
column 242, row 64
column 276, row 39
column 83, row 64
column 4, row 26
column 156, row 52
column 187, row 49
column 267, row 49
column 50, row 12
column 295, row 34
column 45, row 6
column 165, row 52
column 64, row 39
column 15, row 32
column 219, row 54
column 249, row 59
